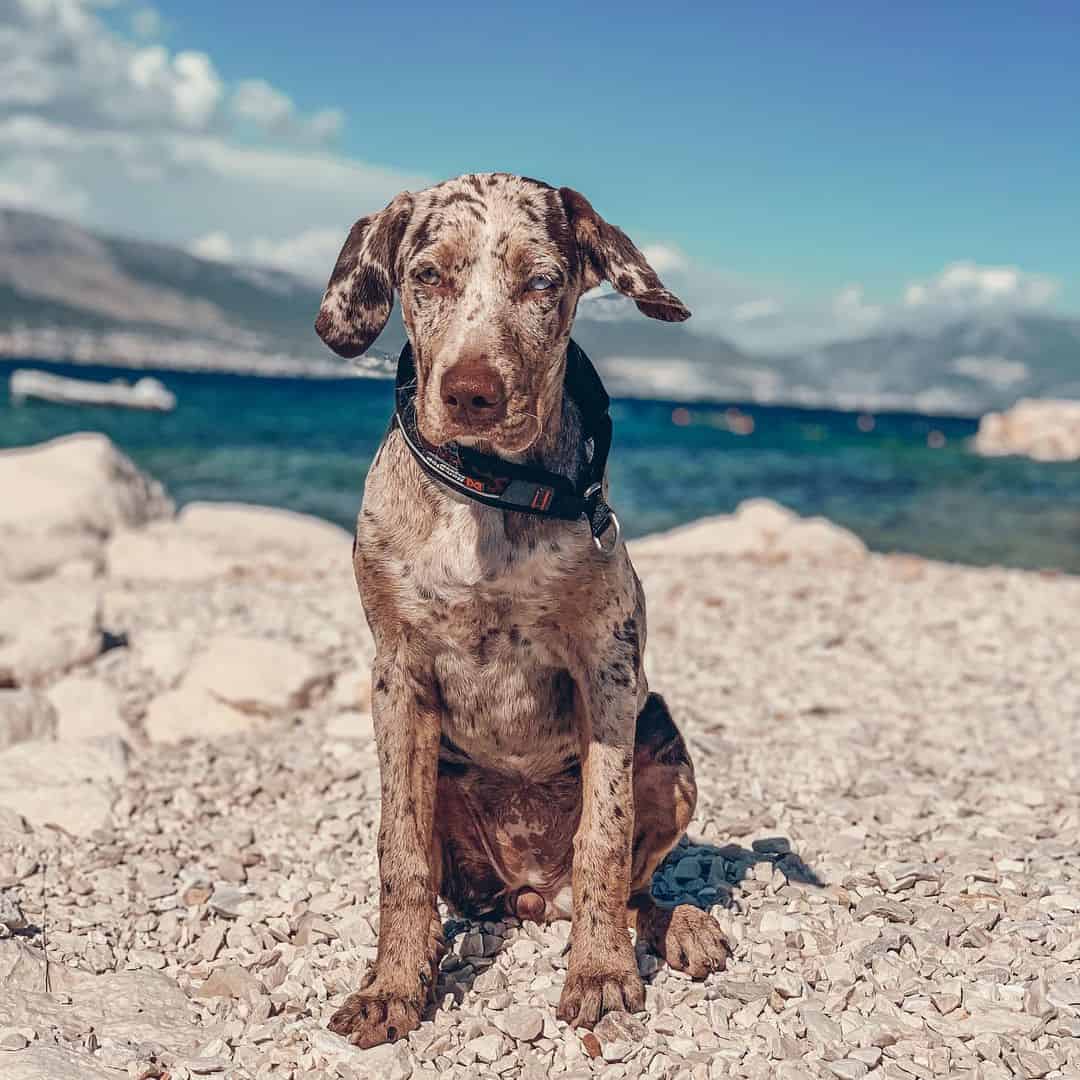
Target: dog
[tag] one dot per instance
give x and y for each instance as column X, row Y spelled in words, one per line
column 526, row 769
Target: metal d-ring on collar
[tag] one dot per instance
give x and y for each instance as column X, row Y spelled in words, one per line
column 596, row 491
column 525, row 489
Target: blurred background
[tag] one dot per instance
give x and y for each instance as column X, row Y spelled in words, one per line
column 870, row 209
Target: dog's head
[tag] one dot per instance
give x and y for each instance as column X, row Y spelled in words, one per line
column 489, row 269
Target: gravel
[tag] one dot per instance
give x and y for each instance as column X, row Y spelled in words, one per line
column 887, row 830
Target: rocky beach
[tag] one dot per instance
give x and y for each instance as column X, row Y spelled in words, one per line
column 888, row 827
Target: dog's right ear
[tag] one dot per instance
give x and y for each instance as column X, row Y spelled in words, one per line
column 360, row 294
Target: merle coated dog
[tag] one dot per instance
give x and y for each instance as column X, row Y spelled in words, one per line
column 526, row 768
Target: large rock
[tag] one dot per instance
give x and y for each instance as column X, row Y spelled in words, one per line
column 43, row 1062
column 67, row 784
column 46, row 628
column 164, row 552
column 209, row 540
column 25, row 715
column 238, row 526
column 759, row 529
column 86, row 707
column 60, row 500
column 127, row 1007
column 256, row 675
column 1046, row 430
column 192, row 713
column 231, row 683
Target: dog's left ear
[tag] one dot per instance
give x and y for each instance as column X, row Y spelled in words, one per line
column 608, row 254
column 360, row 294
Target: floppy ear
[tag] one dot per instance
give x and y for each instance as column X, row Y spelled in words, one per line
column 607, row 253
column 360, row 294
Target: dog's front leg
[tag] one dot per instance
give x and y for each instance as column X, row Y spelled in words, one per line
column 407, row 729
column 602, row 975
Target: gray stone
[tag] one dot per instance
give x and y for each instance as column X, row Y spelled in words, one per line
column 391, row 1060
column 486, row 1048
column 523, row 1024
column 688, row 868
column 849, row 1068
column 620, row 1025
column 25, row 715
column 885, row 907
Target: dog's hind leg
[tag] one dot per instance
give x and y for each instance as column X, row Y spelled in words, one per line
column 665, row 793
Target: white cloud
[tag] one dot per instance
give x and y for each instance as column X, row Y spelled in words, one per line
column 853, row 312
column 753, row 310
column 773, row 317
column 256, row 100
column 213, row 245
column 966, row 286
column 60, row 62
column 310, row 254
column 664, row 258
column 998, row 371
column 34, row 183
column 326, row 124
column 133, row 137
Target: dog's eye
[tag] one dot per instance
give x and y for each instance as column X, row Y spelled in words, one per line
column 428, row 276
column 540, row 283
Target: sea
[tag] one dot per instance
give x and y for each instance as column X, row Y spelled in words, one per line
column 902, row 481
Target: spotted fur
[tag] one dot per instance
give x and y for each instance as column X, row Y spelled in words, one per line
column 525, row 766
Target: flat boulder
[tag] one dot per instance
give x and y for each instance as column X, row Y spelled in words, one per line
column 47, row 628
column 191, row 712
column 211, row 540
column 124, row 1007
column 759, row 529
column 256, row 675
column 162, row 552
column 72, row 784
column 44, row 1062
column 241, row 527
column 61, row 499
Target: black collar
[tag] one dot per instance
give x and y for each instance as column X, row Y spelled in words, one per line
column 525, row 489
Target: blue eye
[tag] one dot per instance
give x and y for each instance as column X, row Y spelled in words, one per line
column 429, row 276
column 540, row 283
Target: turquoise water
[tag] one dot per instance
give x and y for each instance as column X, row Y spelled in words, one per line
column 305, row 444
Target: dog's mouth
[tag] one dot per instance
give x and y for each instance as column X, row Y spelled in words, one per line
column 514, row 435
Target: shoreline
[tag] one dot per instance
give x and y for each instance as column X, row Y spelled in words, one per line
column 382, row 367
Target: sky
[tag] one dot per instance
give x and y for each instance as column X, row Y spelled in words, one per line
column 802, row 172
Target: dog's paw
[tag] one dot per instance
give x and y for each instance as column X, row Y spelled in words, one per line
column 369, row 1018
column 690, row 940
column 588, row 995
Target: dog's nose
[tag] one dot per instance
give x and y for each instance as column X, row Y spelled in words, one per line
column 473, row 392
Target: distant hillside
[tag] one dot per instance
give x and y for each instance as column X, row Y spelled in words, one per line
column 70, row 294
column 965, row 367
column 66, row 293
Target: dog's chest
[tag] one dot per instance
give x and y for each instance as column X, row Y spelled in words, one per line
column 491, row 608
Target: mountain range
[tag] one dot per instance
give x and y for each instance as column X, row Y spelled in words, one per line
column 67, row 293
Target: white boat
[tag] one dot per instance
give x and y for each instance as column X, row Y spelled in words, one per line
column 145, row 393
